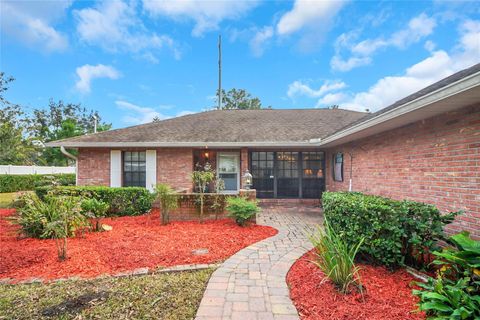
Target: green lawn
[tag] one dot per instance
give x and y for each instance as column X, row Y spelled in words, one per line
column 6, row 200
column 158, row 296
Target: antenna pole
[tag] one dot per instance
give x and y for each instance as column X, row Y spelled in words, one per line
column 220, row 72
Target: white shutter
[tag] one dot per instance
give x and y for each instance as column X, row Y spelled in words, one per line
column 115, row 168
column 151, row 169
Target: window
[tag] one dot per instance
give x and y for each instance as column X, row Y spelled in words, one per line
column 338, row 167
column 134, row 169
column 228, row 170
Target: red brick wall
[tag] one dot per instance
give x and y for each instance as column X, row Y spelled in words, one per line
column 93, row 167
column 435, row 161
column 175, row 167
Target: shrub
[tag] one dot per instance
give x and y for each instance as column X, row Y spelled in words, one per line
column 35, row 216
column 336, row 258
column 168, row 201
column 455, row 292
column 27, row 182
column 241, row 209
column 122, row 201
column 94, row 210
column 394, row 232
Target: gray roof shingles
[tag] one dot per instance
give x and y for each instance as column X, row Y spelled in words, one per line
column 266, row 125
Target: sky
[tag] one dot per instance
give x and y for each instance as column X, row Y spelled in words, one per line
column 139, row 59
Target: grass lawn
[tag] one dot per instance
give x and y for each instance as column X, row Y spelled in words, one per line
column 157, row 296
column 6, row 199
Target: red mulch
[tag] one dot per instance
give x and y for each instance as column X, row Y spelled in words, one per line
column 388, row 294
column 134, row 242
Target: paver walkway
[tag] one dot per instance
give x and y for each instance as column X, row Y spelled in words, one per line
column 252, row 283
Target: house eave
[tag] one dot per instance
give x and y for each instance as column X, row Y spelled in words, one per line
column 459, row 94
column 198, row 144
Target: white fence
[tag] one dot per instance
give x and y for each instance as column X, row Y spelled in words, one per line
column 9, row 169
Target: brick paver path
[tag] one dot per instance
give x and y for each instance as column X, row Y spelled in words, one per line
column 252, row 283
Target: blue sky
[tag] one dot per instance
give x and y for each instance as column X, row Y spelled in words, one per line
column 133, row 60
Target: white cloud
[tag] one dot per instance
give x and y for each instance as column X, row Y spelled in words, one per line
column 299, row 88
column 138, row 115
column 31, row 23
column 257, row 43
column 345, row 65
column 438, row 65
column 418, row 28
column 114, row 26
column 306, row 13
column 87, row 73
column 313, row 18
column 207, row 15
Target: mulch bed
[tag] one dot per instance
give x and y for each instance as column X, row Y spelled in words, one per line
column 388, row 294
column 134, row 242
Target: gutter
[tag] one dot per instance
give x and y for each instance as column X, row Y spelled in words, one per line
column 452, row 89
column 71, row 156
column 198, row 144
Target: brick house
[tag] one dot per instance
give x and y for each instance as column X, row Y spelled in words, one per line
column 425, row 147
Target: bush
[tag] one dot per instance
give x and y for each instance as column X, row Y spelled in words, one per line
column 122, row 201
column 28, row 182
column 336, row 258
column 168, row 201
column 241, row 209
column 94, row 210
column 395, row 233
column 455, row 293
column 35, row 217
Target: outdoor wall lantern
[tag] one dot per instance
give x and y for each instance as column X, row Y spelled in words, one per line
column 206, row 155
column 247, row 180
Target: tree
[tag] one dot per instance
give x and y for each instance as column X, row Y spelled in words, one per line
column 60, row 121
column 201, row 178
column 22, row 135
column 15, row 147
column 239, row 99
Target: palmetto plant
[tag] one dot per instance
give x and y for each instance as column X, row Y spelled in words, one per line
column 68, row 213
column 336, row 258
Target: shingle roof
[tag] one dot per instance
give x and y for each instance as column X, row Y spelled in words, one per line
column 267, row 125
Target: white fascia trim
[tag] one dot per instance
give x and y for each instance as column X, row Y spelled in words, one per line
column 452, row 89
column 179, row 144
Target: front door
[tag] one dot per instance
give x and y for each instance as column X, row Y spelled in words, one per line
column 288, row 174
column 263, row 172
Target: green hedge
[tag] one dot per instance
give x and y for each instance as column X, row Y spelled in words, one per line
column 26, row 182
column 395, row 233
column 128, row 201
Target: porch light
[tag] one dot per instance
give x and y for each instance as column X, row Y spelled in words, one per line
column 247, row 180
column 206, row 155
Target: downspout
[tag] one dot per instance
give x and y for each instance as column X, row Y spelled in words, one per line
column 71, row 156
column 351, row 172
